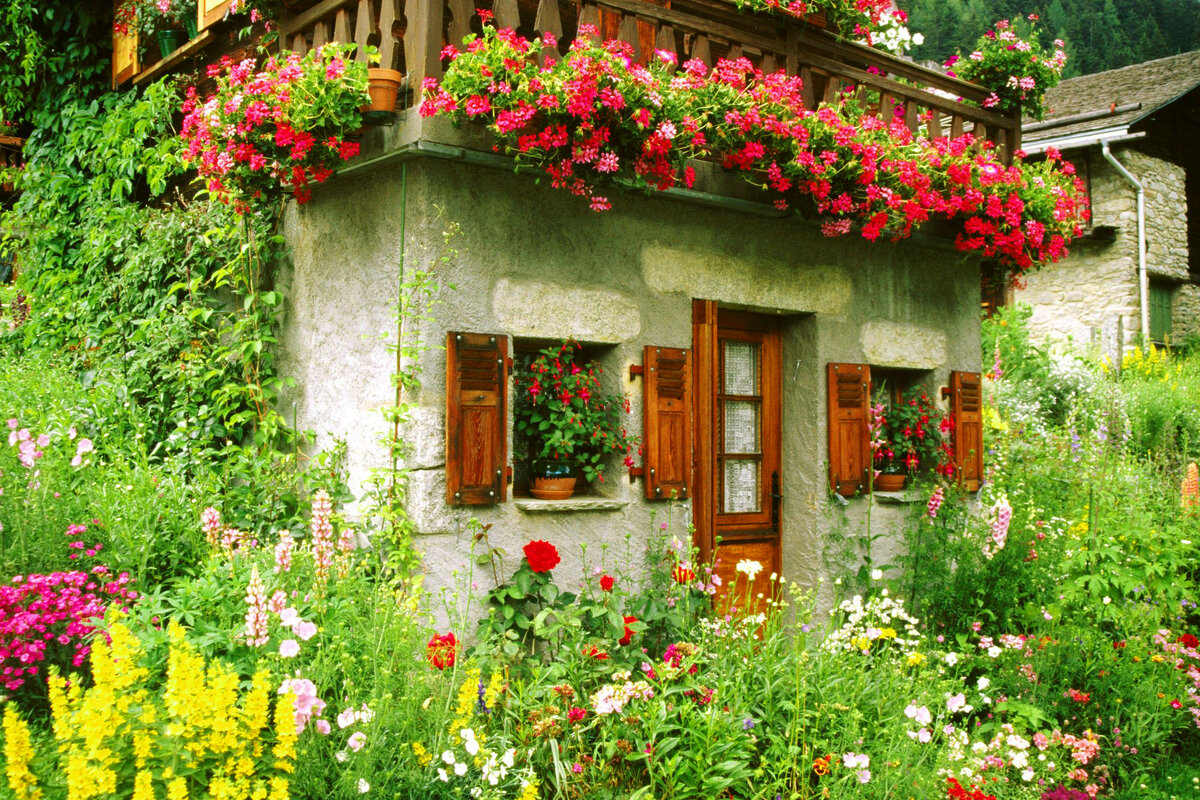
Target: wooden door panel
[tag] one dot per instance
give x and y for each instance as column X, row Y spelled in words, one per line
column 737, row 387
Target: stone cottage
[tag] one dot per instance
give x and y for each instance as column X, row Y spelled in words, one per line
column 747, row 342
column 1132, row 133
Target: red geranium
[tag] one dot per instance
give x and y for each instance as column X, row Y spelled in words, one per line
column 1188, row 640
column 542, row 556
column 606, row 582
column 441, row 650
column 628, row 630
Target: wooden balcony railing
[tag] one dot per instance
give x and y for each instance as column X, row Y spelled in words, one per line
column 703, row 29
column 411, row 40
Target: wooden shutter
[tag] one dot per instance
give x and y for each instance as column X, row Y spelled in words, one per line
column 476, row 418
column 849, row 432
column 966, row 406
column 210, row 11
column 667, row 391
column 124, row 56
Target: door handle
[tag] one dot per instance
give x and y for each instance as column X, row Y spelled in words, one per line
column 776, row 496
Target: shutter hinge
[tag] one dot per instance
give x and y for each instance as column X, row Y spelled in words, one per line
column 946, row 390
column 636, row 369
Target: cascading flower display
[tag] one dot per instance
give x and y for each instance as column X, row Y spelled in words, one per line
column 597, row 117
column 279, row 129
column 322, row 536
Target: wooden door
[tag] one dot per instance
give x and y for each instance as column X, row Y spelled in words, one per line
column 738, row 504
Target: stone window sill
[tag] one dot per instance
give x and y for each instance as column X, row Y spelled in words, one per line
column 569, row 506
column 898, row 498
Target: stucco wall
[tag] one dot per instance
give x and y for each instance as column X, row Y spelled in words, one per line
column 1082, row 297
column 535, row 262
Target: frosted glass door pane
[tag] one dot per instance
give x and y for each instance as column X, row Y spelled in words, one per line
column 741, row 426
column 741, row 368
column 741, row 486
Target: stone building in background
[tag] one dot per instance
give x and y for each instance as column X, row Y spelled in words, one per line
column 1121, row 128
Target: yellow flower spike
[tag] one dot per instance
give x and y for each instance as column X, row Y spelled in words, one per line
column 285, row 733
column 258, row 704
column 279, row 789
column 18, row 752
column 59, row 708
column 177, row 789
column 143, row 786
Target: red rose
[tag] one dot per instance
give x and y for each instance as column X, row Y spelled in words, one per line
column 606, row 583
column 542, row 556
column 628, row 631
column 1188, row 640
column 442, row 650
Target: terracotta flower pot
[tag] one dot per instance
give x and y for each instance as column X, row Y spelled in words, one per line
column 553, row 488
column 384, row 88
column 890, row 482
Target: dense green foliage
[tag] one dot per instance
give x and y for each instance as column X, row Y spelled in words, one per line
column 1100, row 34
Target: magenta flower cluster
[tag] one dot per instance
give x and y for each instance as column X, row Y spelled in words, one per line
column 52, row 616
column 597, row 117
column 275, row 130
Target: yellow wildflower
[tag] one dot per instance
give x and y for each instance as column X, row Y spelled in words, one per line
column 915, row 659
column 18, row 752
column 285, row 734
column 143, row 786
column 887, row 633
column 279, row 789
column 529, row 791
column 423, row 757
column 177, row 789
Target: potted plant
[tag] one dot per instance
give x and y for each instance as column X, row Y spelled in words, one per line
column 569, row 423
column 1016, row 68
column 908, row 435
column 172, row 22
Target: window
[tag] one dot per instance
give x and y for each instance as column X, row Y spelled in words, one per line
column 479, row 392
column 526, row 448
column 850, row 388
column 1161, row 296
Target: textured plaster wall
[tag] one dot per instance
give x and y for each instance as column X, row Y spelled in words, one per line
column 1082, row 297
column 534, row 262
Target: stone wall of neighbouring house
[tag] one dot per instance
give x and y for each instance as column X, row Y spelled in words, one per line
column 1083, row 297
column 536, row 263
column 1187, row 311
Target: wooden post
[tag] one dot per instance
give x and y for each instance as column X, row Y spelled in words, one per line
column 423, row 42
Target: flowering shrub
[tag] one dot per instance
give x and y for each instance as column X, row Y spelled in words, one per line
column 280, row 129
column 194, row 735
column 564, row 415
column 1016, row 69
column 597, row 116
column 51, row 618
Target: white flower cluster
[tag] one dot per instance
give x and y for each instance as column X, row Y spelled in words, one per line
column 876, row 620
column 893, row 35
column 494, row 770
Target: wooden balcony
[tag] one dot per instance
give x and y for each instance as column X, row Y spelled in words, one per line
column 411, row 40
